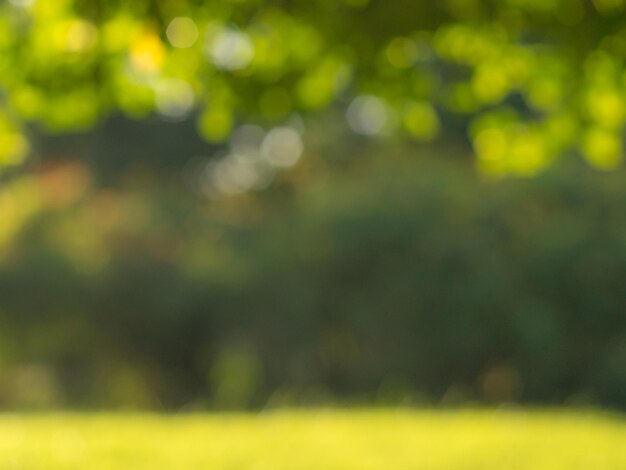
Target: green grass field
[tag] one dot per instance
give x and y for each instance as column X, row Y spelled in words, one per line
column 316, row 440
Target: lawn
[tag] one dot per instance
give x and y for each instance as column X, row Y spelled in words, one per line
column 341, row 440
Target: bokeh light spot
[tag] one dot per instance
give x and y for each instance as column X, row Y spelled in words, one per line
column 215, row 123
column 367, row 115
column 490, row 144
column 421, row 121
column 231, row 49
column 182, row 32
column 147, row 53
column 606, row 106
column 174, row 98
column 602, row 148
column 282, row 147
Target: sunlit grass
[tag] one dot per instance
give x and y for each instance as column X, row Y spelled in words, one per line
column 316, row 440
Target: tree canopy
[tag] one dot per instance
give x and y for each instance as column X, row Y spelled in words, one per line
column 380, row 269
column 526, row 80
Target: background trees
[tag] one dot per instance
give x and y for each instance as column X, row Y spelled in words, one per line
column 245, row 203
column 527, row 80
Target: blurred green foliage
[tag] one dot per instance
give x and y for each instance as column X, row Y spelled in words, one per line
column 528, row 80
column 139, row 269
column 387, row 279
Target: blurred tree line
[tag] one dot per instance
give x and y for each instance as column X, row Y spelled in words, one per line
column 396, row 279
column 179, row 228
